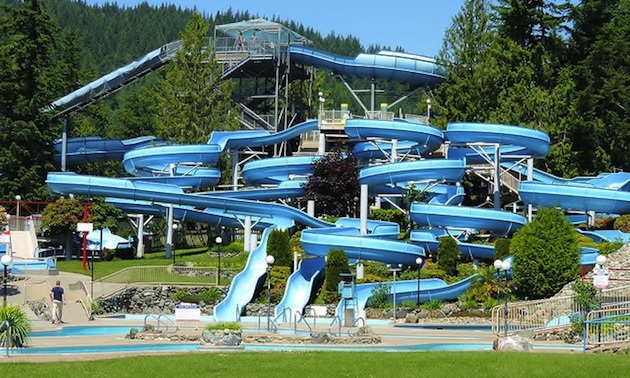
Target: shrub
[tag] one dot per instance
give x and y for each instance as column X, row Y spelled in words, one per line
column 546, row 255
column 448, row 255
column 501, row 248
column 431, row 270
column 432, row 305
column 370, row 278
column 379, row 297
column 336, row 263
column 232, row 326
column 390, row 215
column 606, row 248
column 622, row 223
column 279, row 247
column 20, row 326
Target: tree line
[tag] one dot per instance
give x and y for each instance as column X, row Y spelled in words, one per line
column 558, row 66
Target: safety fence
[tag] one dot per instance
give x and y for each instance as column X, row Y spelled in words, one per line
column 546, row 313
column 608, row 325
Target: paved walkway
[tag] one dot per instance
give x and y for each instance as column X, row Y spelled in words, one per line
column 392, row 336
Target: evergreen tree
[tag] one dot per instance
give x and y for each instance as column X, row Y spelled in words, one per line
column 193, row 100
column 448, row 255
column 336, row 263
column 546, row 255
column 279, row 247
column 30, row 75
column 466, row 94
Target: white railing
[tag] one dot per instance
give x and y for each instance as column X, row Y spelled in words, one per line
column 546, row 313
column 607, row 326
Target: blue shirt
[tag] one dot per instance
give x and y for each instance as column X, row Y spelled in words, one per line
column 57, row 293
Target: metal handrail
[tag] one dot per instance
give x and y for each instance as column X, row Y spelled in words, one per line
column 337, row 317
column 283, row 314
column 302, row 318
column 159, row 321
column 353, row 324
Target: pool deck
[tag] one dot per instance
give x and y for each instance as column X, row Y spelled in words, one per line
column 392, row 335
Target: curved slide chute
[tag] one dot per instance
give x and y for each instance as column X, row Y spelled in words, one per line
column 427, row 138
column 259, row 138
column 431, row 289
column 415, row 70
column 81, row 150
column 300, row 287
column 515, row 141
column 231, row 307
column 499, row 221
column 583, row 197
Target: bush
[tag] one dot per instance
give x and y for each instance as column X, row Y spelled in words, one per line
column 622, row 223
column 20, row 326
column 210, row 295
column 232, row 326
column 448, row 255
column 501, row 248
column 279, row 247
column 390, row 215
column 432, row 305
column 546, row 255
column 336, row 263
column 379, row 297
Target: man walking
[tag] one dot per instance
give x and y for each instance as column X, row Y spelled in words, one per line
column 58, row 299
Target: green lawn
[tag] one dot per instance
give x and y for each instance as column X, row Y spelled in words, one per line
column 333, row 364
column 196, row 256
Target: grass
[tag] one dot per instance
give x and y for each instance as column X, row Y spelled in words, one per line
column 334, row 364
column 196, row 256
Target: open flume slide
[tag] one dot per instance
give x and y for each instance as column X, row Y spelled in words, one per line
column 515, row 141
column 431, row 289
column 407, row 68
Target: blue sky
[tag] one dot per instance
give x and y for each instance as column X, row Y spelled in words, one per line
column 416, row 25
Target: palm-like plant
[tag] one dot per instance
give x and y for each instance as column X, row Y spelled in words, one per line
column 19, row 324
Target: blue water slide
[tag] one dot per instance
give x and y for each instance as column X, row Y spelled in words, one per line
column 319, row 242
column 431, row 289
column 274, row 171
column 414, row 70
column 382, row 229
column 515, row 141
column 80, row 150
column 429, row 240
column 68, row 182
column 607, row 235
column 427, row 138
column 300, row 287
column 241, row 289
column 383, row 150
column 445, row 170
column 259, row 138
column 499, row 221
column 607, row 180
column 573, row 197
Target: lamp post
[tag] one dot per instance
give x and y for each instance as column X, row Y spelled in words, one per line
column 428, row 109
column 600, row 281
column 175, row 226
column 394, row 270
column 18, row 198
column 218, row 240
column 270, row 260
column 419, row 261
column 6, row 261
column 503, row 266
column 92, row 248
